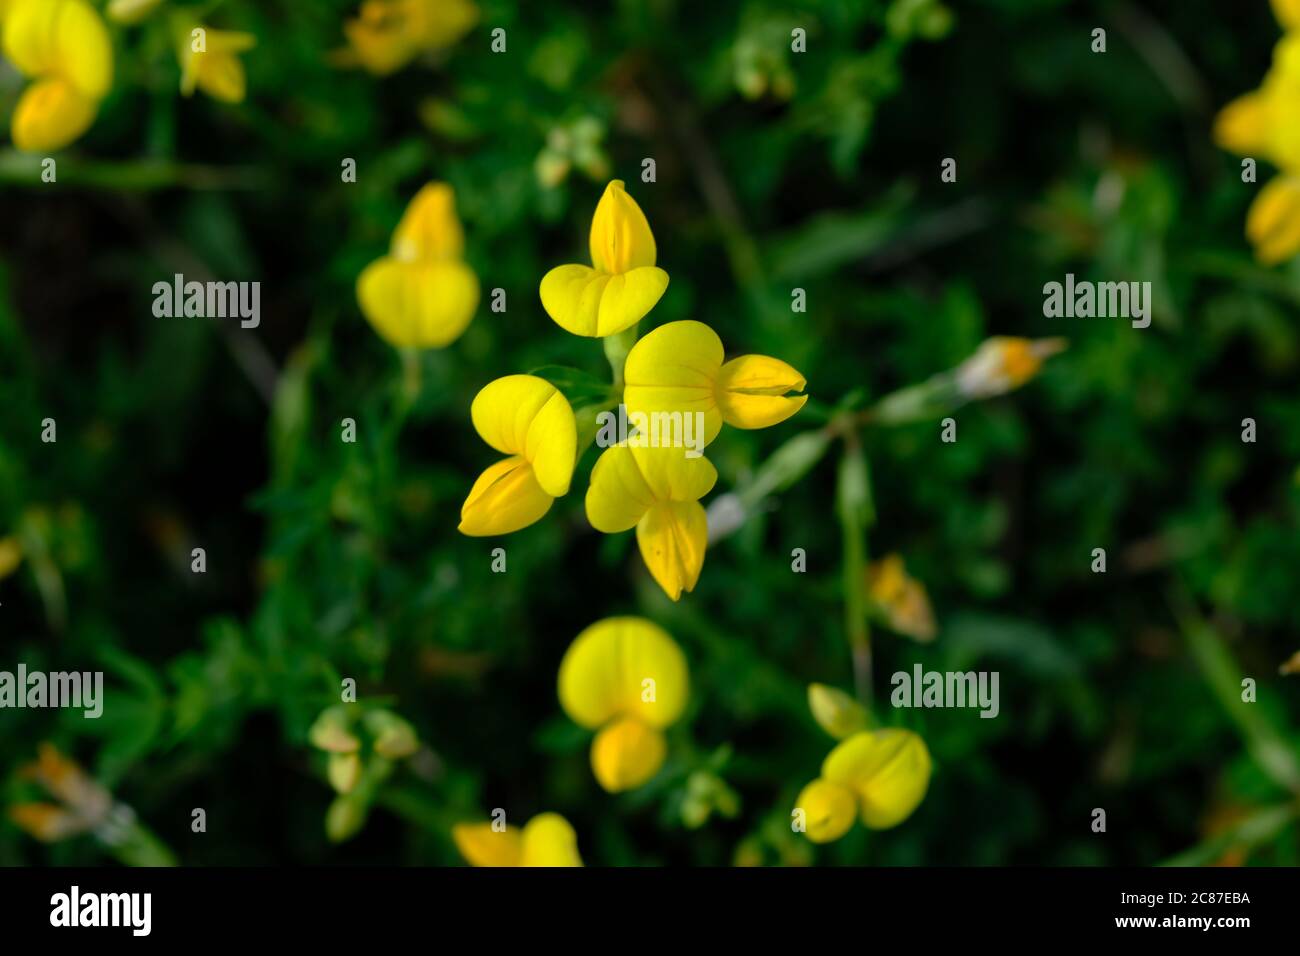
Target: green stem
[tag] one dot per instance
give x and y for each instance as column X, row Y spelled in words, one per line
column 616, row 348
column 856, row 514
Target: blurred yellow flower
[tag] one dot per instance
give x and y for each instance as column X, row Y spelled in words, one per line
column 422, row 294
column 210, row 62
column 621, row 285
column 627, row 679
column 527, row 419
column 388, row 34
column 547, row 840
column 656, row 491
column 1004, row 363
column 64, row 47
column 1265, row 124
column 835, row 711
column 11, row 556
column 679, row 368
column 880, row 775
column 82, row 803
column 900, row 598
column 1287, row 13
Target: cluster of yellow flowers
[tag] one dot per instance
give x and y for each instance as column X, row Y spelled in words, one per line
column 1266, row 124
column 677, row 369
column 64, row 47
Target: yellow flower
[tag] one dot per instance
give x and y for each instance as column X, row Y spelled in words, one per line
column 1287, row 13
column 656, row 491
column 626, row 678
column 1003, row 363
column 529, row 420
column 881, row 775
column 388, row 34
column 64, row 46
column 547, row 840
column 422, row 295
column 900, row 598
column 209, row 62
column 679, row 368
column 1273, row 222
column 623, row 282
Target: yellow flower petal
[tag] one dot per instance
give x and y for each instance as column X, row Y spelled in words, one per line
column 46, row 822
column 430, row 229
column 586, row 302
column 418, row 305
column 63, row 38
column 673, row 537
column 752, row 391
column 1243, row 125
column 528, row 416
column 504, row 499
column 889, row 770
column 51, row 114
column 549, row 840
column 217, row 70
column 618, row 496
column 480, row 845
column 673, row 369
column 626, row 754
column 829, row 810
column 621, row 239
column 623, row 667
column 1273, row 222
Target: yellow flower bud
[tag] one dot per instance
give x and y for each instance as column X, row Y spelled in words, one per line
column 528, row 419
column 828, row 810
column 131, row 11
column 835, row 711
column 626, row 754
column 343, row 771
column 622, row 285
column 900, row 598
column 388, row 34
column 1287, row 13
column 1003, row 363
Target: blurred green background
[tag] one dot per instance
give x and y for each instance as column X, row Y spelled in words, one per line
column 775, row 170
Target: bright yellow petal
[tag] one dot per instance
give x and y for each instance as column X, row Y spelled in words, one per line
column 673, row 537
column 586, row 302
column 835, row 711
column 63, row 37
column 673, row 369
column 430, row 229
column 753, row 391
column 549, row 840
column 623, row 667
column 480, row 845
column 889, row 770
column 528, row 416
column 829, row 810
column 1243, row 125
column 1273, row 222
column 626, row 754
column 418, row 305
column 51, row 114
column 672, row 476
column 621, row 239
column 618, row 495
column 505, row 498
